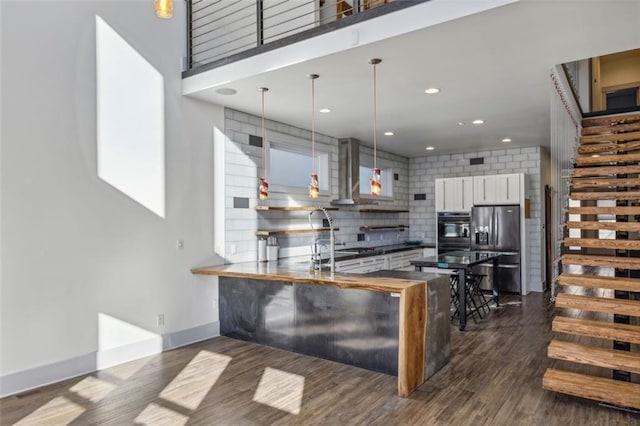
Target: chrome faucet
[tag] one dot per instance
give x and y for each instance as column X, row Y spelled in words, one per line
column 332, row 242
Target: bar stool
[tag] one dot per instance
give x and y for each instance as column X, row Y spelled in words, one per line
column 472, row 307
column 473, row 282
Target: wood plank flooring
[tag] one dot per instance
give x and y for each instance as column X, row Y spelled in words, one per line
column 494, row 378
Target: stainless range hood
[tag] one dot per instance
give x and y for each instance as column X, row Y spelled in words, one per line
column 349, row 174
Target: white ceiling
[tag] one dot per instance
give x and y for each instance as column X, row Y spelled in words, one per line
column 492, row 65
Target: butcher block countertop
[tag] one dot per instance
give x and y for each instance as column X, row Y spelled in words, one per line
column 412, row 305
column 294, row 272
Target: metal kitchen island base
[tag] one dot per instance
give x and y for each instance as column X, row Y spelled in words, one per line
column 370, row 321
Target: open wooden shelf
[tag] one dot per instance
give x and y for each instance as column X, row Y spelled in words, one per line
column 291, row 208
column 267, row 232
column 382, row 211
column 384, row 228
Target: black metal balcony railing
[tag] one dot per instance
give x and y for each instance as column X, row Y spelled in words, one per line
column 223, row 31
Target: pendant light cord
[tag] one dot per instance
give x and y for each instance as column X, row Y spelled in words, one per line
column 375, row 118
column 313, row 125
column 264, row 143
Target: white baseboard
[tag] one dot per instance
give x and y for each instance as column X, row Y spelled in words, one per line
column 24, row 380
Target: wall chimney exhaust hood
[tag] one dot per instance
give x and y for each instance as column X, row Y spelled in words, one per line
column 349, row 174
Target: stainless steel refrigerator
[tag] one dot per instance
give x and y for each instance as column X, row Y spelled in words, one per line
column 497, row 228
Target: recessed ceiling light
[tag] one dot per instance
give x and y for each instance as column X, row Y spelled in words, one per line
column 226, row 91
column 478, row 121
column 460, row 123
column 595, row 155
column 388, row 133
column 325, row 110
column 432, row 91
column 506, row 140
column 429, row 148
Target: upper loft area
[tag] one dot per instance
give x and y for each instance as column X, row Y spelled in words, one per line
column 606, row 84
column 490, row 60
column 225, row 32
column 220, row 33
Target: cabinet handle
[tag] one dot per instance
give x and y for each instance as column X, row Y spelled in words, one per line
column 484, row 190
column 508, row 197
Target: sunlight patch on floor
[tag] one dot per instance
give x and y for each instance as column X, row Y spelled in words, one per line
column 194, row 382
column 92, row 389
column 155, row 414
column 58, row 411
column 126, row 370
column 281, row 390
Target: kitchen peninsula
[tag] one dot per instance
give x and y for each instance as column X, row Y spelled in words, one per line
column 377, row 322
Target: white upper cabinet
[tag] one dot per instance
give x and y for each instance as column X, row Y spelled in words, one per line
column 454, row 194
column 508, row 189
column 484, row 190
column 496, row 189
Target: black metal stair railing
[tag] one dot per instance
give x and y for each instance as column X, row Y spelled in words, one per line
column 223, row 31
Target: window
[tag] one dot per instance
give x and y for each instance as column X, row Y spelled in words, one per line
column 623, row 98
column 290, row 167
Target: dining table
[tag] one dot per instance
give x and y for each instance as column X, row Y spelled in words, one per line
column 462, row 263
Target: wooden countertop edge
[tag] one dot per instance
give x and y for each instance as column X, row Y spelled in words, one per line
column 358, row 282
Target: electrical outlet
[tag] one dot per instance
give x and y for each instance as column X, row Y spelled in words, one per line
column 160, row 320
column 179, row 244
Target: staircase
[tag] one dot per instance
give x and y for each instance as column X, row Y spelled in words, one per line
column 597, row 329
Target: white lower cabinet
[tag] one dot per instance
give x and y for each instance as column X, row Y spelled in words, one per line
column 400, row 261
column 362, row 265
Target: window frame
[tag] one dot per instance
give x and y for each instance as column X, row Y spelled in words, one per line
column 297, row 145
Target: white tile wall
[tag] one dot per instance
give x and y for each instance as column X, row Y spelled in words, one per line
column 242, row 163
column 424, row 171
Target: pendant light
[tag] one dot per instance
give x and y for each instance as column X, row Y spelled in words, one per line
column 263, row 189
column 376, row 186
column 164, row 8
column 314, row 188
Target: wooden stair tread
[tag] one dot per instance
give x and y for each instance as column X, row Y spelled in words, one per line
column 590, row 355
column 608, row 147
column 618, row 211
column 599, row 329
column 608, row 158
column 600, row 243
column 605, row 170
column 611, row 226
column 606, row 261
column 616, row 392
column 615, row 128
column 598, row 304
column 610, row 137
column 594, row 281
column 608, row 195
column 609, row 120
column 582, row 183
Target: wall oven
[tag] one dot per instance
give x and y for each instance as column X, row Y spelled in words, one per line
column 454, row 231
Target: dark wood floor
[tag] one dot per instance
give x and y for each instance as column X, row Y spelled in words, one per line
column 494, row 377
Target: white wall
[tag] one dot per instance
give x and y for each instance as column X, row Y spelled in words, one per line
column 74, row 247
